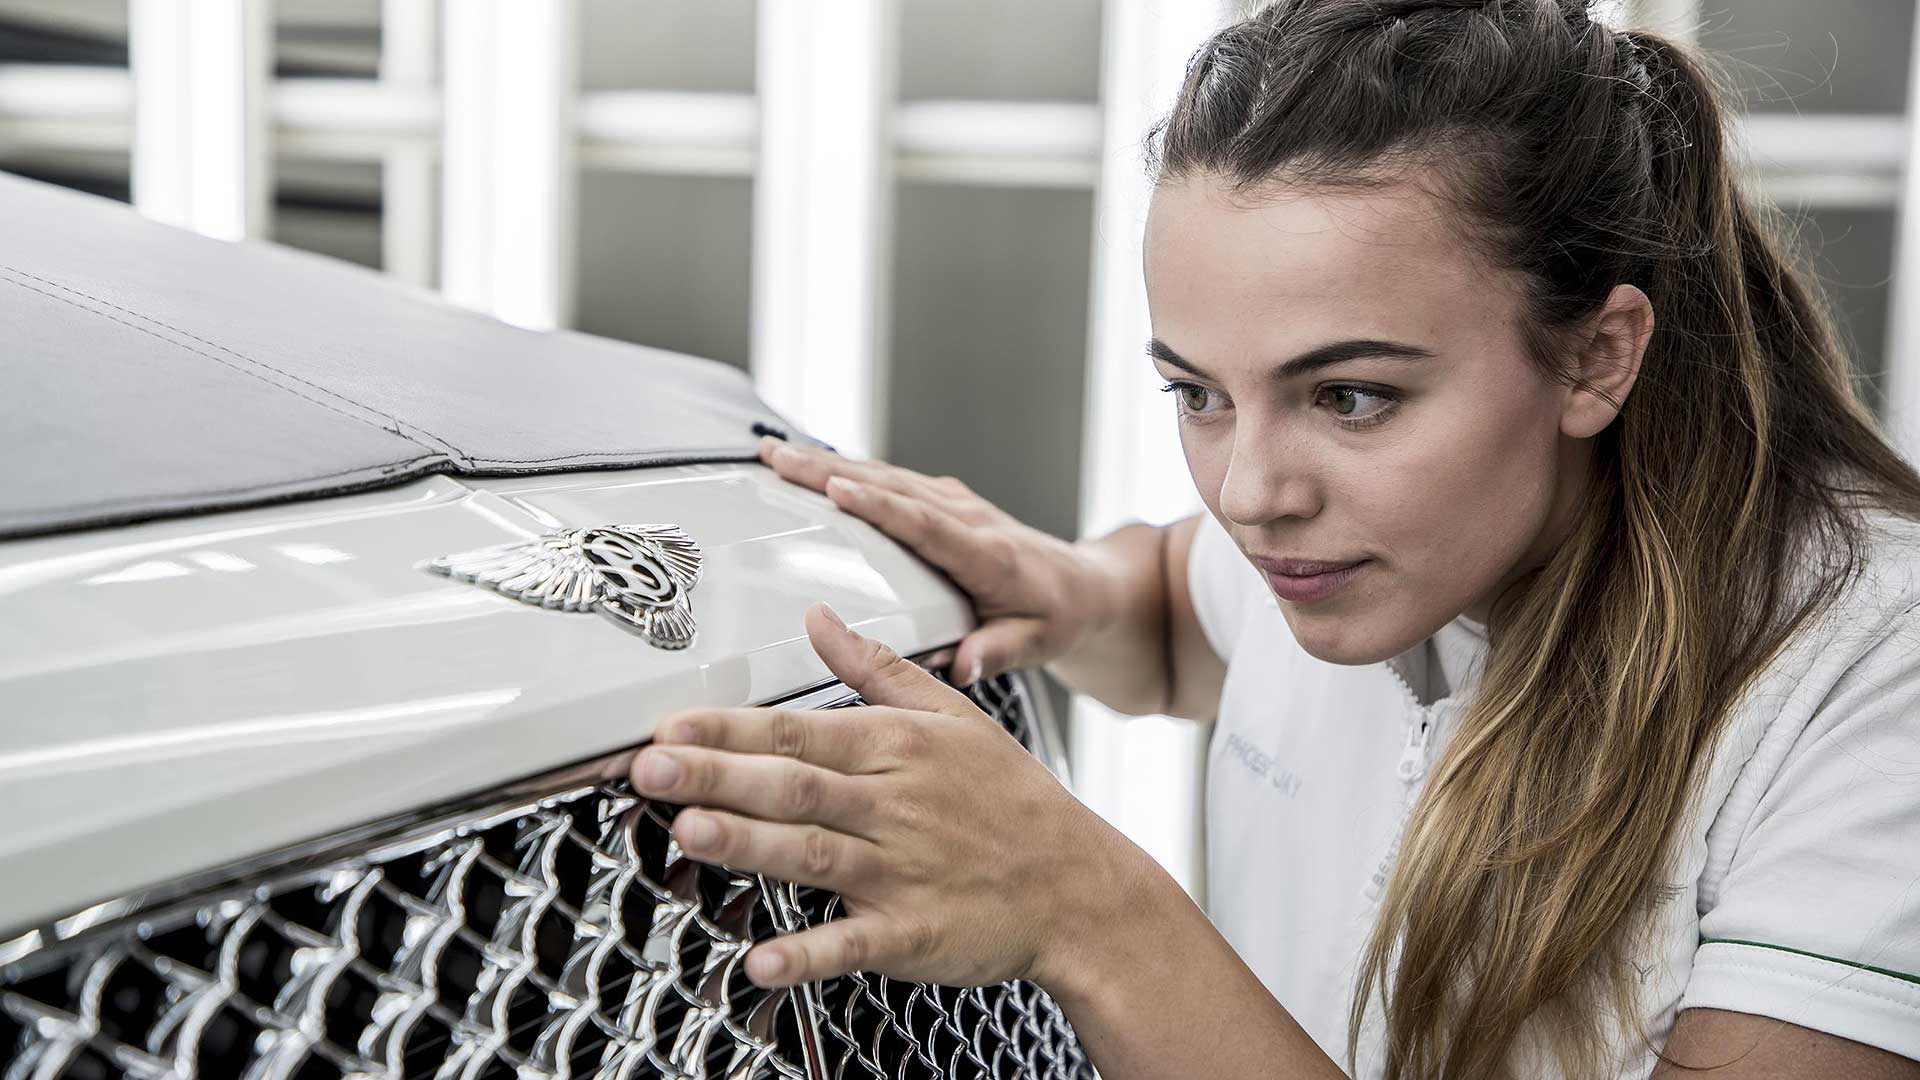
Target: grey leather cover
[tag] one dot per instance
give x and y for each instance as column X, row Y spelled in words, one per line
column 148, row 372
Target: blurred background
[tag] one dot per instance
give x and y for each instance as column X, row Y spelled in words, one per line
column 916, row 222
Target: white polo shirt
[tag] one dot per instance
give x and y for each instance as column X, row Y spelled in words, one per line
column 1796, row 893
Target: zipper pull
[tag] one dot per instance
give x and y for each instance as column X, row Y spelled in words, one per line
column 1413, row 760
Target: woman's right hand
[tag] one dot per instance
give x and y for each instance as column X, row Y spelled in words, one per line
column 1036, row 595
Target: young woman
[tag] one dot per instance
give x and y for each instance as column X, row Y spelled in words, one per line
column 1555, row 609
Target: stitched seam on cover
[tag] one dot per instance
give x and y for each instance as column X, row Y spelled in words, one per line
column 1825, row 984
column 397, row 423
column 384, row 468
column 616, row 454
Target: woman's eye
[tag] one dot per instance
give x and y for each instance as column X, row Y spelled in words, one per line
column 1357, row 405
column 1192, row 397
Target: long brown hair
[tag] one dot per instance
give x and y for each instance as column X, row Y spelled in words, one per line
column 1582, row 157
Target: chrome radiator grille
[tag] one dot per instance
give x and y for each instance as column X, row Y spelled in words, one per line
column 562, row 935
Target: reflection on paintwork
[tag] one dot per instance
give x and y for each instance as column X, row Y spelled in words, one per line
column 229, row 712
column 829, row 566
column 151, row 570
column 314, row 554
column 287, row 730
column 232, row 638
column 25, row 564
column 224, row 562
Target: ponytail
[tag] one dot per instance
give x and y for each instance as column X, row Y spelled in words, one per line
column 1581, row 158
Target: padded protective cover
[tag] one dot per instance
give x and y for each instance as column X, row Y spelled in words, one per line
column 148, row 371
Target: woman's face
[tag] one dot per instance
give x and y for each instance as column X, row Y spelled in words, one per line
column 1353, row 392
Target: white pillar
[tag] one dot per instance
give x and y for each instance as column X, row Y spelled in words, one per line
column 407, row 196
column 1903, row 337
column 201, row 157
column 822, row 215
column 506, row 244
column 1142, row 774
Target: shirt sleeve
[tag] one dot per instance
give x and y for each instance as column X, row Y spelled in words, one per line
column 1817, row 921
column 1224, row 586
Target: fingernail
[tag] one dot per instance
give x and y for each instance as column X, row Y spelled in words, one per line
column 848, row 489
column 696, row 832
column 834, row 617
column 786, row 453
column 765, row 965
column 658, row 771
column 974, row 670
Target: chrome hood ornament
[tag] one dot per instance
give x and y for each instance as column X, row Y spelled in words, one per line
column 637, row 575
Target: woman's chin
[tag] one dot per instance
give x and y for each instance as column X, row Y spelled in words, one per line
column 1354, row 637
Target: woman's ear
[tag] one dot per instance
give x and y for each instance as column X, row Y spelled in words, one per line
column 1607, row 362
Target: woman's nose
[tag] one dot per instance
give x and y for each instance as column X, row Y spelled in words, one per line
column 1267, row 481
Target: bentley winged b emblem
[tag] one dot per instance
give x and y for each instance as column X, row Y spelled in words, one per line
column 637, row 575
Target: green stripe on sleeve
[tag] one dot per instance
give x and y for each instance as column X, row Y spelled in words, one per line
column 1901, row 975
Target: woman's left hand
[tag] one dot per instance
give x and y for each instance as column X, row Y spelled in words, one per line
column 958, row 856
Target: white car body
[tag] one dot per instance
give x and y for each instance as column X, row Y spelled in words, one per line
column 329, row 617
column 178, row 694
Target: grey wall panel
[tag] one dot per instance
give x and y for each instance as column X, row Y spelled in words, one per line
column 1000, row 50
column 989, row 343
column 1796, row 56
column 1852, row 252
column 705, row 45
column 667, row 261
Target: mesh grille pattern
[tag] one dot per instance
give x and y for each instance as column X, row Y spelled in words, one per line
column 560, row 937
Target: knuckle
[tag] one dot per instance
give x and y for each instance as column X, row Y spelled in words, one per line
column 909, row 811
column 917, row 937
column 919, row 519
column 1000, row 553
column 816, row 853
column 855, row 948
column 683, row 727
column 697, row 776
column 908, row 739
column 787, row 730
column 881, row 657
column 861, row 803
column 800, row 794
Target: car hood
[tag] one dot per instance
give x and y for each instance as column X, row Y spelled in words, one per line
column 184, row 692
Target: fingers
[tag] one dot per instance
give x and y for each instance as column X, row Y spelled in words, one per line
column 999, row 646
column 855, row 943
column 762, row 786
column 876, row 672
column 839, row 739
column 805, row 854
column 938, row 536
column 812, row 468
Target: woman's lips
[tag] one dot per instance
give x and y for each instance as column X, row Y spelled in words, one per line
column 1305, row 588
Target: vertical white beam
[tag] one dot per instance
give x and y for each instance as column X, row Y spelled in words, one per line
column 1144, row 774
column 201, row 155
column 506, row 244
column 1903, row 337
column 407, row 204
column 822, row 215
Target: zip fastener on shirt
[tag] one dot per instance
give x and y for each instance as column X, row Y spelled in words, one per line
column 1413, row 766
column 1415, row 758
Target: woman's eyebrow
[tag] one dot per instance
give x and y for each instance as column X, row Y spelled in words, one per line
column 1320, row 356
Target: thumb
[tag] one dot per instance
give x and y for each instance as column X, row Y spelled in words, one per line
column 1000, row 645
column 877, row 673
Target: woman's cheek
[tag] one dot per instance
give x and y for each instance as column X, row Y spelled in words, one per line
column 1207, row 458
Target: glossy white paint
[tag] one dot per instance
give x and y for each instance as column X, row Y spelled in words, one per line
column 182, row 693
